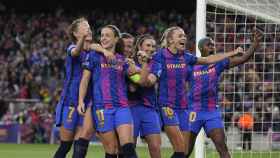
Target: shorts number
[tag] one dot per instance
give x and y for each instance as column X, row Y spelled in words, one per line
column 192, row 116
column 168, row 112
column 100, row 117
column 71, row 112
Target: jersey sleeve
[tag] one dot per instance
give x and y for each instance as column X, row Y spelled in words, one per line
column 70, row 48
column 88, row 61
column 190, row 59
column 222, row 65
column 155, row 65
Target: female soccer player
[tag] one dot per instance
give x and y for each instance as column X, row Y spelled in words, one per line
column 173, row 60
column 66, row 114
column 110, row 110
column 67, row 117
column 203, row 95
column 142, row 100
column 128, row 41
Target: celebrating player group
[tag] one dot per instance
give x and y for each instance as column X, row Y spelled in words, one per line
column 122, row 87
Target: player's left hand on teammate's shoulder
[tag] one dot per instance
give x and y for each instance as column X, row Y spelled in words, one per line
column 109, row 55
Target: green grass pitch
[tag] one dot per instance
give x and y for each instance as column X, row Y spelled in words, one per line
column 96, row 151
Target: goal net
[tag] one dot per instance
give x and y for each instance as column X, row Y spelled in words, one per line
column 252, row 87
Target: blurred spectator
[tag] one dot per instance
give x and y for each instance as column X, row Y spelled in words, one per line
column 32, row 47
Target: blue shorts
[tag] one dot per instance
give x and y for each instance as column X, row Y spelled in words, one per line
column 174, row 117
column 145, row 120
column 207, row 119
column 67, row 116
column 109, row 119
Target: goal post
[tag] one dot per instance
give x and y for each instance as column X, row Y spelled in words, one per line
column 199, row 149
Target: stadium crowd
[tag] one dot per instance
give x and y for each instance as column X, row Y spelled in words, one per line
column 32, row 53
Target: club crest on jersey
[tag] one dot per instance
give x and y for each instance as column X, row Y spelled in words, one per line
column 168, row 112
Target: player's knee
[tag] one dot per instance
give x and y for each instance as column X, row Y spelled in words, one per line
column 87, row 134
column 221, row 146
column 179, row 146
column 66, row 134
column 154, row 146
column 110, row 147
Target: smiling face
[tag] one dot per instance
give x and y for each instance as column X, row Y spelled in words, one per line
column 128, row 46
column 148, row 46
column 177, row 39
column 108, row 38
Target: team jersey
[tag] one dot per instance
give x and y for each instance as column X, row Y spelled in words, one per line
column 203, row 85
column 73, row 75
column 108, row 79
column 172, row 79
column 143, row 95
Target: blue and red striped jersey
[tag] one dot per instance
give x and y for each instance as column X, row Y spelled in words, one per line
column 172, row 77
column 109, row 87
column 204, row 85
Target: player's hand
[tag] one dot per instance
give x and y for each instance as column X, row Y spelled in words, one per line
column 132, row 66
column 239, row 51
column 143, row 56
column 130, row 61
column 97, row 47
column 109, row 55
column 257, row 36
column 81, row 108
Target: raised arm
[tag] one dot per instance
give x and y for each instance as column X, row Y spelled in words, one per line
column 83, row 90
column 215, row 58
column 77, row 50
column 237, row 60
